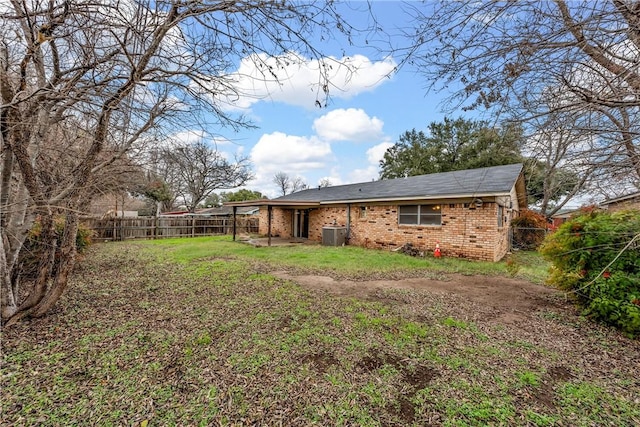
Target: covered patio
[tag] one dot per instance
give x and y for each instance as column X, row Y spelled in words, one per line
column 299, row 221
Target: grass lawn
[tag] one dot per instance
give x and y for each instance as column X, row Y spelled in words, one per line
column 198, row 332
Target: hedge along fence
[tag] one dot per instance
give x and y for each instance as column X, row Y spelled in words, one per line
column 596, row 257
column 527, row 238
column 528, row 230
column 164, row 227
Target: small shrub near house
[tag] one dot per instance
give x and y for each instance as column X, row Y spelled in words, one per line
column 596, row 256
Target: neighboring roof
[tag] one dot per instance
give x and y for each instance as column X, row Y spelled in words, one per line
column 217, row 211
column 491, row 181
column 227, row 210
column 565, row 213
column 621, row 198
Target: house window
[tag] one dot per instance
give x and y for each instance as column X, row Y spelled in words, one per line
column 363, row 212
column 420, row 215
column 500, row 216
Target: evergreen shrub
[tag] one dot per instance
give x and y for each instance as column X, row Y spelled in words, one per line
column 596, row 256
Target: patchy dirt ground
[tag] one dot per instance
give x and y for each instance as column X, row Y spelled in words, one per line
column 141, row 338
column 504, row 299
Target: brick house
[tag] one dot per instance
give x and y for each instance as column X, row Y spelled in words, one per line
column 628, row 201
column 467, row 212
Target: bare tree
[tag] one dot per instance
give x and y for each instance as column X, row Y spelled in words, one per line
column 324, row 182
column 111, row 73
column 532, row 59
column 287, row 184
column 283, row 181
column 201, row 170
column 298, row 184
column 563, row 161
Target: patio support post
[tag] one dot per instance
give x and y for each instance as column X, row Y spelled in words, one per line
column 269, row 208
column 235, row 209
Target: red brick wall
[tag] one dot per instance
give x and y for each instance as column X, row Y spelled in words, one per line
column 280, row 222
column 466, row 231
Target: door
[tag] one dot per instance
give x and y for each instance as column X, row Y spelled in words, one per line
column 301, row 223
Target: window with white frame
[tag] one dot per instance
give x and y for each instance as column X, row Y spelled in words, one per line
column 420, row 215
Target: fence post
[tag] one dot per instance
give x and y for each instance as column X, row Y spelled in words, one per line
column 510, row 237
column 154, row 232
column 193, row 226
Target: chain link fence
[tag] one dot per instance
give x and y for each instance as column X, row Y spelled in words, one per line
column 527, row 238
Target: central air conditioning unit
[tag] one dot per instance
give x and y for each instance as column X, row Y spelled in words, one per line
column 334, row 236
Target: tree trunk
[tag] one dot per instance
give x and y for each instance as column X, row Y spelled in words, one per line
column 48, row 243
column 65, row 264
column 18, row 225
column 7, row 295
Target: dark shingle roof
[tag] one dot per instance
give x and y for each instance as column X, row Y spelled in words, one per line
column 621, row 198
column 472, row 182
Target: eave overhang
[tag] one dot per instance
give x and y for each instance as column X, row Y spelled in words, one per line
column 317, row 203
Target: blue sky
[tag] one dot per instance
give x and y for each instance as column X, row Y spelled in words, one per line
column 343, row 141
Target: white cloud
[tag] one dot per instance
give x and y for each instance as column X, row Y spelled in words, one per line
column 290, row 153
column 333, row 177
column 188, row 136
column 294, row 155
column 294, row 79
column 376, row 153
column 300, row 156
column 218, row 141
column 348, row 125
column 371, row 172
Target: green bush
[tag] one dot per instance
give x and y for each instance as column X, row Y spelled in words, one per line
column 593, row 259
column 30, row 254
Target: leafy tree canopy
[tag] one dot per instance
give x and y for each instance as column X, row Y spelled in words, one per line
column 215, row 199
column 468, row 144
column 212, row 200
column 452, row 145
column 241, row 195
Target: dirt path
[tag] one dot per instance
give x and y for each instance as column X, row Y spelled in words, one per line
column 507, row 300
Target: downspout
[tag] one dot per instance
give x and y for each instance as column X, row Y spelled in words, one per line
column 269, row 208
column 235, row 208
column 348, row 222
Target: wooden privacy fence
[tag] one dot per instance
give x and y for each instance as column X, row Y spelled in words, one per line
column 160, row 228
